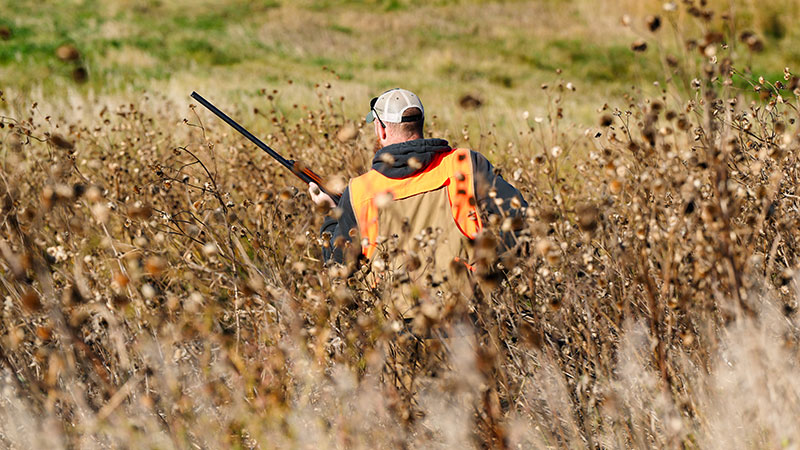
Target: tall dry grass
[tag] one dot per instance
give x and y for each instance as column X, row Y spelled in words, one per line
column 163, row 285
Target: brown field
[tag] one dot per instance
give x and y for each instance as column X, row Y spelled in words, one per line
column 163, row 284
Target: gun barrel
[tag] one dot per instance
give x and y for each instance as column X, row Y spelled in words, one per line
column 306, row 175
column 241, row 130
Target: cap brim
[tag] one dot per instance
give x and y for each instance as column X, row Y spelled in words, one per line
column 370, row 117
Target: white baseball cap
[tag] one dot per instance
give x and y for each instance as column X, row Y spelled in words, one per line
column 390, row 106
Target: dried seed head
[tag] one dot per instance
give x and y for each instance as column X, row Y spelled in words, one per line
column 387, row 159
column 148, row 291
column 753, row 42
column 412, row 262
column 469, row 101
column 209, row 249
column 587, row 217
column 548, row 215
column 615, row 187
column 30, row 300
column 64, row 192
column 67, row 53
column 672, row 61
column 100, row 212
column 683, row 123
column 653, row 23
column 457, row 267
column 44, row 333
column 61, row 142
column 299, row 267
column 121, row 280
column 155, row 265
column 347, row 133
column 383, row 200
column 80, row 75
column 639, row 45
column 544, row 247
column 140, row 211
column 48, row 196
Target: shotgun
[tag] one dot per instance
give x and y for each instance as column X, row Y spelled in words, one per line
column 299, row 169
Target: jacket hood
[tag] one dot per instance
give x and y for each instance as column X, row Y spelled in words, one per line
column 393, row 160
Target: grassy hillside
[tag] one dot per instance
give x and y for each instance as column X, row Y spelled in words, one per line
column 497, row 52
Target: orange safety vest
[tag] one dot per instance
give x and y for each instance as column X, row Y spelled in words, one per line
column 453, row 169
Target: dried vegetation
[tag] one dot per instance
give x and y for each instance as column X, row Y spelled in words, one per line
column 163, row 287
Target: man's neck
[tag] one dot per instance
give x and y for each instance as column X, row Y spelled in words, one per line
column 389, row 142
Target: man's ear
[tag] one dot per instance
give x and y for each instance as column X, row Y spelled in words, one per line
column 380, row 131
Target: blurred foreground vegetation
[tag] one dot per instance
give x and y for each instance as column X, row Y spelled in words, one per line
column 161, row 280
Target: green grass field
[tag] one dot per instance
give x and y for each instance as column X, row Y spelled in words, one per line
column 498, row 52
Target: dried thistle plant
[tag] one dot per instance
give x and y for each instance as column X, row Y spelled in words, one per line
column 163, row 286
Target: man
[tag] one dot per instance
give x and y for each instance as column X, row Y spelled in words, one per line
column 415, row 216
column 422, row 200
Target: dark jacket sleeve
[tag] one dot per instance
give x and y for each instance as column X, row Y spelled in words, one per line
column 339, row 228
column 487, row 180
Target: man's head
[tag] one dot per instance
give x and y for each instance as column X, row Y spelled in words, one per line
column 398, row 116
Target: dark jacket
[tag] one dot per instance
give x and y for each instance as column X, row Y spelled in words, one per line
column 424, row 151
